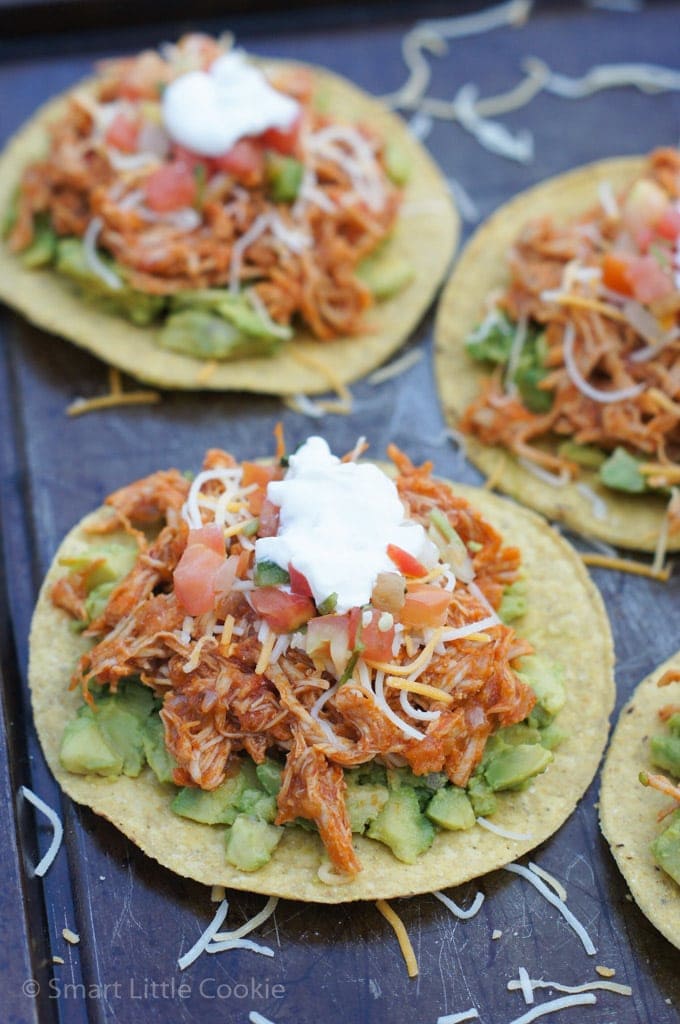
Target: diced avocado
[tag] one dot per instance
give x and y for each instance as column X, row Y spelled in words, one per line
column 371, row 771
column 397, row 163
column 430, row 783
column 510, row 768
column 206, row 336
column 239, row 312
column 665, row 753
column 621, row 472
column 492, row 339
column 545, row 678
column 123, row 732
column 137, row 306
column 161, row 761
column 284, row 176
column 531, row 371
column 84, row 750
column 481, row 795
column 269, row 776
column 97, row 600
column 673, row 724
column 513, row 602
column 514, row 735
column 43, row 248
column 250, row 842
column 10, row 214
column 402, row 827
column 131, row 696
column 110, row 562
column 384, row 274
column 666, row 848
column 216, row 806
column 587, row 455
column 364, row 804
column 206, row 299
column 451, row 808
column 258, row 804
column 552, row 735
column 269, row 574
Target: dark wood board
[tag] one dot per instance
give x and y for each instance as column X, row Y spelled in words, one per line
column 134, row 918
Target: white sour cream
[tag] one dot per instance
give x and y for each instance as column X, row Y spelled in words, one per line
column 335, row 522
column 209, row 111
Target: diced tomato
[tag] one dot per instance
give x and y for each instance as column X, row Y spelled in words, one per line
column 669, row 224
column 212, row 536
column 123, row 133
column 650, row 281
column 269, row 519
column 245, row 160
column 283, row 612
column 283, row 140
column 425, row 606
column 405, row 562
column 171, row 187
column 298, row 582
column 616, row 273
column 188, row 158
column 377, row 643
column 255, row 473
column 194, row 578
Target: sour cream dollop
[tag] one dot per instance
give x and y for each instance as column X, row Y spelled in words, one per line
column 209, row 111
column 335, row 522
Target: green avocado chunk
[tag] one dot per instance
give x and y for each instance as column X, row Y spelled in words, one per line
column 284, row 177
column 513, row 602
column 116, row 722
column 402, row 827
column 545, row 678
column 250, row 842
column 665, row 753
column 135, row 305
column 482, row 797
column 492, row 339
column 160, row 760
column 450, row 808
column 269, row 776
column 384, row 275
column 587, row 455
column 84, row 751
column 621, row 472
column 258, row 804
column 666, row 848
column 207, row 336
column 364, row 804
column 43, row 248
column 216, row 806
column 511, row 767
column 397, row 163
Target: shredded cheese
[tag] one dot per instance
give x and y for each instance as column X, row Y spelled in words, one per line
column 458, row 1018
column 421, row 688
column 80, row 406
column 413, row 668
column 625, row 565
column 265, row 653
column 335, row 384
column 217, row 894
column 464, row 915
column 607, row 986
column 207, row 371
column 396, row 367
column 405, row 946
column 550, row 879
column 553, row 1006
column 57, row 830
column 256, row 1018
column 71, row 937
column 206, row 937
column 505, row 833
column 551, row 897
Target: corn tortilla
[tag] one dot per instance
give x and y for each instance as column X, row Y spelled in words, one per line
column 628, row 809
column 426, row 234
column 628, row 520
column 565, row 620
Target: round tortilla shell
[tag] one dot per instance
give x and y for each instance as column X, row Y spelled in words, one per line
column 565, row 620
column 628, row 809
column 628, row 520
column 426, row 234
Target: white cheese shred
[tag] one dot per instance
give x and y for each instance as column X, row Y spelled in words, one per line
column 57, row 828
column 607, row 986
column 93, row 259
column 256, row 1018
column 550, row 879
column 505, row 833
column 526, row 986
column 492, row 135
column 551, row 897
column 587, row 999
column 464, row 915
column 396, row 367
column 203, row 941
column 458, row 1018
column 249, row 926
